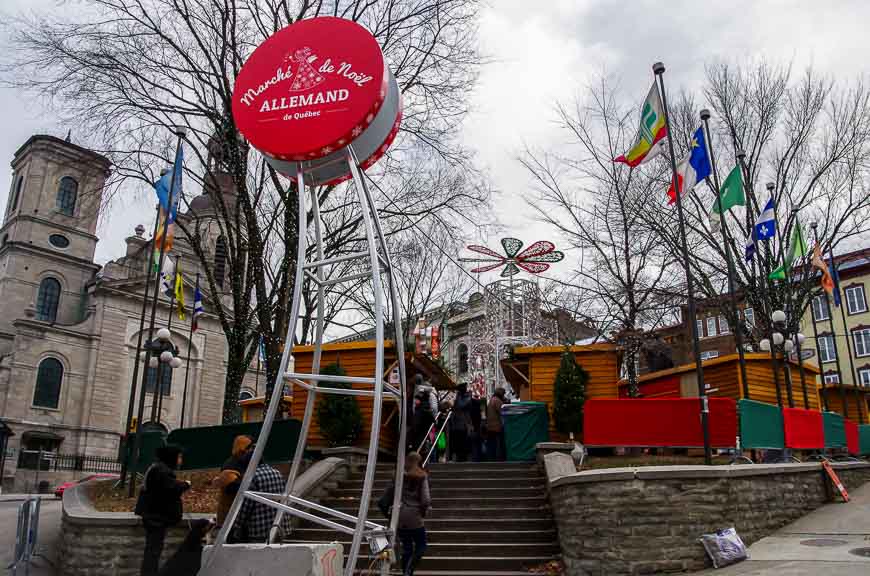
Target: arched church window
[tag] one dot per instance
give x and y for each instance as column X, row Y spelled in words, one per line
column 67, row 193
column 463, row 358
column 48, row 380
column 220, row 261
column 16, row 195
column 165, row 379
column 47, row 300
column 246, row 395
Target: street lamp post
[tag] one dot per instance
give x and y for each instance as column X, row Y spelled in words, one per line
column 163, row 352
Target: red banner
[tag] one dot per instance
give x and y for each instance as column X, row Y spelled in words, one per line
column 674, row 422
column 804, row 429
column 852, row 437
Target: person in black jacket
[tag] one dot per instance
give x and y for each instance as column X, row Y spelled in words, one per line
column 460, row 424
column 159, row 504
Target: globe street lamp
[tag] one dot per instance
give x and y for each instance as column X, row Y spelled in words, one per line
column 788, row 343
column 163, row 353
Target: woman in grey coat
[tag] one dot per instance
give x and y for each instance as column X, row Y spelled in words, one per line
column 414, row 505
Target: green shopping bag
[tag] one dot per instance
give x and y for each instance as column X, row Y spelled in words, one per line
column 441, row 443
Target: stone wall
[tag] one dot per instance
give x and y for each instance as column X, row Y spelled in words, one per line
column 648, row 520
column 100, row 543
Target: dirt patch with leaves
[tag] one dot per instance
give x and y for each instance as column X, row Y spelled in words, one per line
column 201, row 498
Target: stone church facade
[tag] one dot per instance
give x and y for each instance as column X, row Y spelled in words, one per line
column 69, row 327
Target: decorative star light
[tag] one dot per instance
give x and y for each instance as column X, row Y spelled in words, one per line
column 533, row 259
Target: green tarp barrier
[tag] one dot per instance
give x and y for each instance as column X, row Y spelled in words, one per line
column 864, row 439
column 760, row 425
column 525, row 425
column 210, row 446
column 151, row 439
column 835, row 430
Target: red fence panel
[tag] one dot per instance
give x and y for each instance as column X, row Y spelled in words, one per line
column 672, row 422
column 804, row 429
column 852, row 437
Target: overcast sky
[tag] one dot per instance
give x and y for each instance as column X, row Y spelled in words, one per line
column 544, row 52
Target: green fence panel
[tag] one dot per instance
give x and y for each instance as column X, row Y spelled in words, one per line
column 210, row 446
column 864, row 439
column 151, row 440
column 760, row 425
column 835, row 430
column 525, row 425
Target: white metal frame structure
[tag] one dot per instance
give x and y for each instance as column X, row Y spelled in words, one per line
column 377, row 257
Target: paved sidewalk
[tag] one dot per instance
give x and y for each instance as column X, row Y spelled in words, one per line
column 818, row 543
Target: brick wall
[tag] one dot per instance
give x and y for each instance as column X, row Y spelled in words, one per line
column 648, row 520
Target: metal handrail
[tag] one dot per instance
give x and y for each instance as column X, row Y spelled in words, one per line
column 429, row 431
column 441, row 431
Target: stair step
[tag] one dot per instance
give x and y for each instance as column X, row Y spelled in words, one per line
column 460, row 471
column 482, row 534
column 517, row 513
column 473, row 563
column 444, row 501
column 441, row 492
column 451, row 549
column 455, row 483
column 446, row 573
column 542, row 523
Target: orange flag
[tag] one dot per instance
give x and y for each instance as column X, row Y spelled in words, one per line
column 819, row 263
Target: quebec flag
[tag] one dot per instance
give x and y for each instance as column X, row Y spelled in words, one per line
column 765, row 224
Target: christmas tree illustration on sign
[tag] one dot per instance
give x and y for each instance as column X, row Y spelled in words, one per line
column 306, row 76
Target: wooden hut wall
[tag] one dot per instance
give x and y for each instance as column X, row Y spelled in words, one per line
column 762, row 387
column 835, row 403
column 357, row 359
column 600, row 363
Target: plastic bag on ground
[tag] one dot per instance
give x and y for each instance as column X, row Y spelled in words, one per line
column 724, row 547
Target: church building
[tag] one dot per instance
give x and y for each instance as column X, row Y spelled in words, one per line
column 69, row 327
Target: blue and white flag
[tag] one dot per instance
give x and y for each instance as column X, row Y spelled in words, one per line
column 197, row 306
column 765, row 224
column 262, row 349
column 750, row 249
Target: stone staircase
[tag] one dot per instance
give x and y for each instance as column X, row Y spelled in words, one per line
column 487, row 519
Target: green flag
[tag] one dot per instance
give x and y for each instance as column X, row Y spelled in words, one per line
column 796, row 249
column 731, row 192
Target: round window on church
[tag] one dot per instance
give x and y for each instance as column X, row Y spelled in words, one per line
column 58, row 241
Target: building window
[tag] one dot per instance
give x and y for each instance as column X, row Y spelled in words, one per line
column 700, row 325
column 58, row 241
column 864, row 377
column 67, row 193
column 220, row 261
column 48, row 380
column 821, row 310
column 827, row 349
column 832, row 378
column 246, row 395
column 709, row 354
column 166, row 382
column 463, row 358
column 16, row 194
column 711, row 326
column 723, row 325
column 47, row 300
column 855, row 300
column 749, row 316
column 862, row 342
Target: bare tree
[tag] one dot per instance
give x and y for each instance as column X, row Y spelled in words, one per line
column 598, row 207
column 806, row 135
column 124, row 71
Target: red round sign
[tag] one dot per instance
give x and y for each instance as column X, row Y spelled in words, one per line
column 310, row 88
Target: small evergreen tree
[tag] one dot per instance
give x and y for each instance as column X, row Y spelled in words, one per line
column 338, row 417
column 569, row 394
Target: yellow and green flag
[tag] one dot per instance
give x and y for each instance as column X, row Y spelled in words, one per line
column 652, row 130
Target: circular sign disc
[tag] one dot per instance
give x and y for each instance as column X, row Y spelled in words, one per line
column 310, row 88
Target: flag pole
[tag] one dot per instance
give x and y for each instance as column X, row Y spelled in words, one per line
column 180, row 133
column 738, row 329
column 797, row 341
column 189, row 347
column 159, row 392
column 659, row 70
column 854, row 374
column 819, row 351
column 843, row 399
column 762, row 280
column 137, row 360
column 771, row 187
